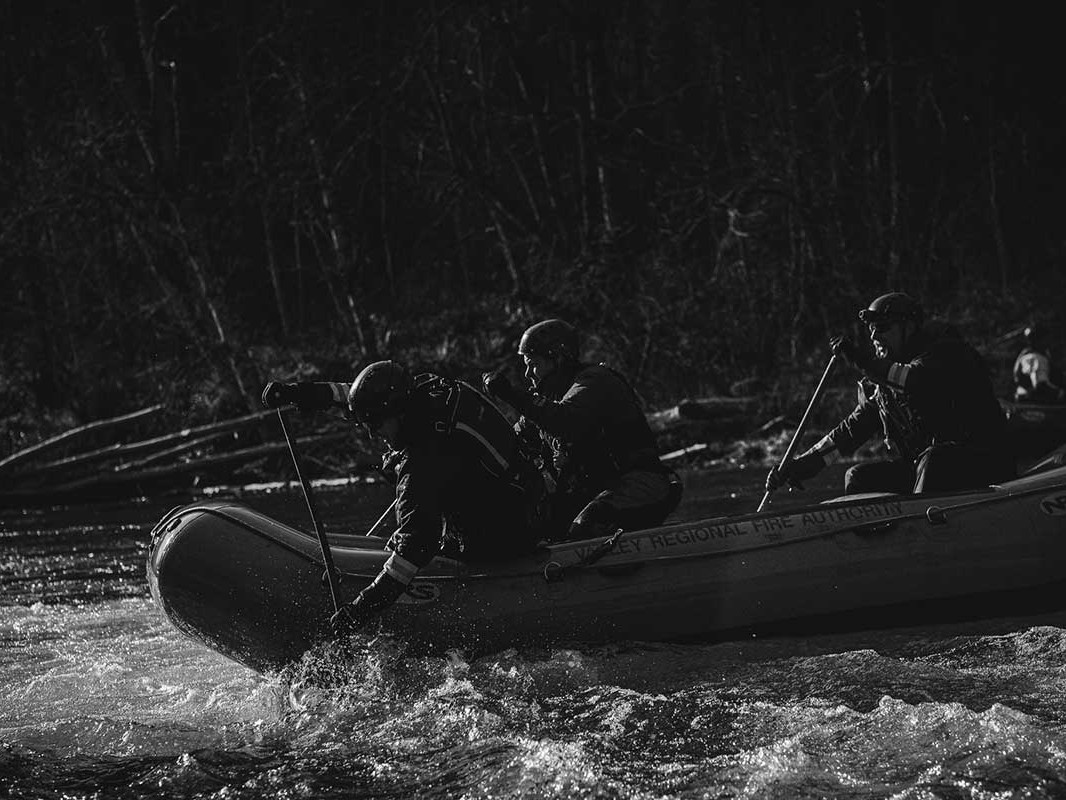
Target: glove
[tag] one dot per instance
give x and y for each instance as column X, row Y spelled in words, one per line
column 857, row 356
column 376, row 597
column 499, row 385
column 305, row 396
column 389, row 460
column 793, row 472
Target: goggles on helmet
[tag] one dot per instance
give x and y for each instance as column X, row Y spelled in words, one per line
column 872, row 316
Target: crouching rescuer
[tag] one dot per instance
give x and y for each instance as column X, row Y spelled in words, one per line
column 585, row 425
column 927, row 392
column 462, row 486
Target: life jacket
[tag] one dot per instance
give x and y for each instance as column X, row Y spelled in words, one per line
column 902, row 434
column 630, row 443
column 1031, row 369
column 618, row 447
column 458, row 409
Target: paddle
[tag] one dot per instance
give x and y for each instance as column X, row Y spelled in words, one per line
column 803, row 422
column 381, row 519
column 327, row 555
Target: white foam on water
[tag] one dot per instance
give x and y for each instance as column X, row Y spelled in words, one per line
column 115, row 678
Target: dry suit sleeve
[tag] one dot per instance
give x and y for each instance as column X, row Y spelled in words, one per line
column 421, row 487
column 858, row 427
column 322, row 395
column 578, row 415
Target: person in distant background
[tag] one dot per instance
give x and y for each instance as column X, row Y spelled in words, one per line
column 585, row 424
column 462, row 486
column 929, row 394
column 1033, row 372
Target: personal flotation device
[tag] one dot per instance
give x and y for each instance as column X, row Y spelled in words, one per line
column 631, row 443
column 902, row 434
column 1031, row 369
column 618, row 445
column 458, row 409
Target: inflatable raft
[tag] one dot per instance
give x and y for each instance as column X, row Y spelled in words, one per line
column 253, row 588
column 1033, row 427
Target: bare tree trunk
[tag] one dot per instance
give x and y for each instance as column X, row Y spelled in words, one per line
column 224, row 344
column 578, row 56
column 383, row 207
column 268, row 240
column 336, row 268
column 1002, row 256
column 273, row 272
column 551, row 188
column 162, row 105
column 893, row 157
column 174, row 303
column 297, row 257
column 595, row 156
column 517, row 285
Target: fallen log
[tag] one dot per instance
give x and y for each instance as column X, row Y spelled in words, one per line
column 133, row 448
column 715, row 410
column 692, row 449
column 65, row 438
column 112, row 479
column 171, row 451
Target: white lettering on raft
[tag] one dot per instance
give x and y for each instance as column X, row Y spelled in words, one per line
column 852, row 513
column 420, row 592
column 770, row 528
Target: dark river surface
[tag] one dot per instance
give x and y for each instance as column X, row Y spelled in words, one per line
column 103, row 698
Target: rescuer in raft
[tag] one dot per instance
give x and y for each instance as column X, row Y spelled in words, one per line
column 462, row 485
column 1033, row 372
column 929, row 394
column 585, row 426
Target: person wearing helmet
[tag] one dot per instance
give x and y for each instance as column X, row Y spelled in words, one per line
column 462, row 485
column 928, row 393
column 1032, row 371
column 586, row 427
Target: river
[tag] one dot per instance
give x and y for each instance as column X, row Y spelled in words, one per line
column 104, row 699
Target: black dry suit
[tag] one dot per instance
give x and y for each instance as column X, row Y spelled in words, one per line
column 461, row 481
column 939, row 406
column 595, row 443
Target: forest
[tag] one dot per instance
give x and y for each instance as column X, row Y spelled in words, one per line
column 199, row 197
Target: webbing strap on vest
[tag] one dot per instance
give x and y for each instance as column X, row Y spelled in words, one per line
column 452, row 422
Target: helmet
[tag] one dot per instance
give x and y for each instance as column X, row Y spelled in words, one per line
column 551, row 337
column 380, row 390
column 892, row 307
column 1034, row 335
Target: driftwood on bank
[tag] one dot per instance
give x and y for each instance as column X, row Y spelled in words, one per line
column 169, row 459
column 67, row 437
column 710, row 410
column 196, row 465
column 121, row 450
column 170, row 452
column 162, row 461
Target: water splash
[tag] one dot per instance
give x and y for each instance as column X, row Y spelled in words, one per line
column 105, row 699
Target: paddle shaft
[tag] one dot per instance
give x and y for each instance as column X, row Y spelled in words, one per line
column 381, row 519
column 803, row 422
column 327, row 554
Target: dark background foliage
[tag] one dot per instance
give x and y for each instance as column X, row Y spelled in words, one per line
column 201, row 196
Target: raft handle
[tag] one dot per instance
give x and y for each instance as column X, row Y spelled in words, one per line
column 935, row 515
column 553, row 570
